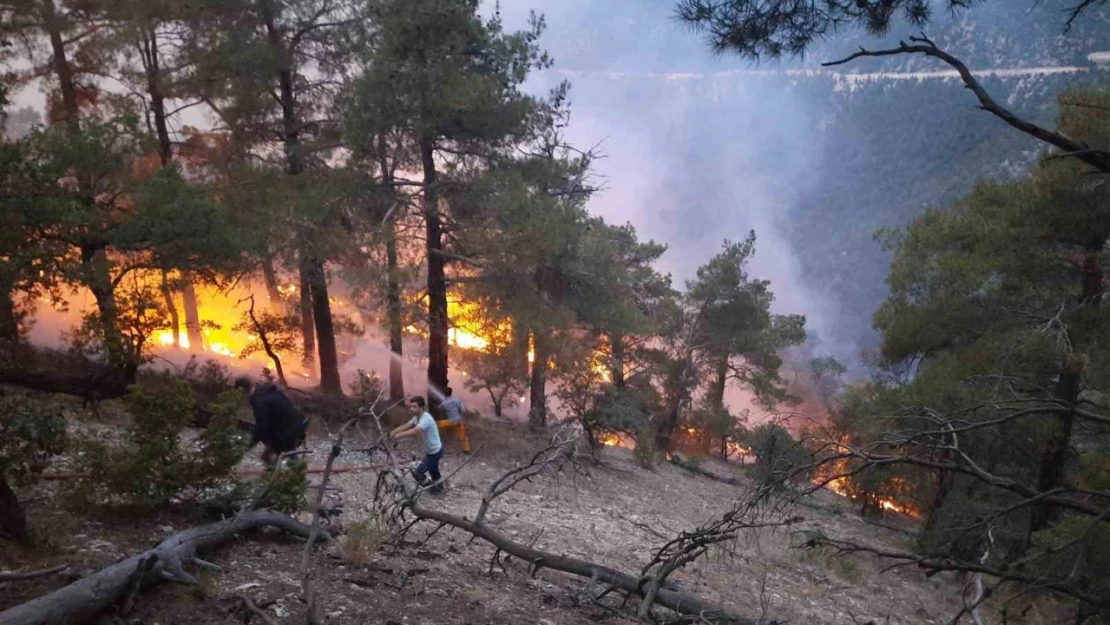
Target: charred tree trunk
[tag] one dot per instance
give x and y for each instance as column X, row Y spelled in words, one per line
column 308, row 324
column 537, row 389
column 13, row 521
column 393, row 303
column 192, row 312
column 269, row 274
column 437, row 280
column 171, row 307
column 616, row 341
column 720, row 381
column 393, row 286
column 325, row 329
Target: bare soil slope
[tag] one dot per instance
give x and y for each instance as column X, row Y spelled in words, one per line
column 614, row 515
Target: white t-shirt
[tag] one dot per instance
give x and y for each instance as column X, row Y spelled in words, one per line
column 429, row 431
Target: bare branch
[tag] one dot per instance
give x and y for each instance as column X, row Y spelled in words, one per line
column 1099, row 159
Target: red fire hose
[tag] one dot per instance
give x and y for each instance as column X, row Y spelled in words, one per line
column 61, row 477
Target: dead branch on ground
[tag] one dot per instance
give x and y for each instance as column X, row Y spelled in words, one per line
column 558, row 452
column 19, row 577
column 165, row 562
column 314, row 617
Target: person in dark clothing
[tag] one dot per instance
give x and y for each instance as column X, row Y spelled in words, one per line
column 277, row 424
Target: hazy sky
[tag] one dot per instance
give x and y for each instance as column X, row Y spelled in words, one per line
column 690, row 158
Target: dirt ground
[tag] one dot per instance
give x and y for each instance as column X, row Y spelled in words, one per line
column 615, row 514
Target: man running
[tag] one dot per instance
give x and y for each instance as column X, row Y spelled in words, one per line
column 452, row 408
column 423, row 425
column 277, row 424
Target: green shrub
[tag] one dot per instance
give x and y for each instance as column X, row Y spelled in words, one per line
column 31, row 432
column 150, row 466
column 777, row 454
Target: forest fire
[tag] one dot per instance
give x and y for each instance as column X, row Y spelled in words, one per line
column 616, row 439
column 844, row 487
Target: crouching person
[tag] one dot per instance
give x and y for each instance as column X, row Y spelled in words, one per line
column 277, row 424
column 422, row 424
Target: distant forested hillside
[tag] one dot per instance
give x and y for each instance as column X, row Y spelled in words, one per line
column 890, row 149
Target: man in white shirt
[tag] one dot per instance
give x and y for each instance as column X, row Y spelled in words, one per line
column 422, row 424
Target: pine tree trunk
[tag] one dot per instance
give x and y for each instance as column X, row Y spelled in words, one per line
column 171, row 308
column 1055, row 454
column 437, row 280
column 393, row 285
column 269, row 274
column 720, row 381
column 396, row 331
column 149, row 52
column 192, row 312
column 325, row 330
column 62, row 68
column 537, row 390
column 617, row 366
column 98, row 279
column 308, row 324
column 13, row 521
column 9, row 318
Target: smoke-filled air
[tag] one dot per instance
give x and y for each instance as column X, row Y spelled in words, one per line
column 750, row 312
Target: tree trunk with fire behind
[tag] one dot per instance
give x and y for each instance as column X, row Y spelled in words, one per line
column 192, row 312
column 269, row 275
column 171, row 307
column 325, row 329
column 393, row 302
column 437, row 280
column 616, row 368
column 308, row 324
column 537, row 389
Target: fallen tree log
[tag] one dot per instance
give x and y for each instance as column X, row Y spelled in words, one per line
column 88, row 387
column 165, row 562
column 681, row 602
column 677, row 460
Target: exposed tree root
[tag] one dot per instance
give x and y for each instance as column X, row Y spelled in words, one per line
column 166, row 562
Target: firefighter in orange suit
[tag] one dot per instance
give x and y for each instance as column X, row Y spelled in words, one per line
column 452, row 408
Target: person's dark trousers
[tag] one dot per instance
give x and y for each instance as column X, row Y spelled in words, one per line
column 430, row 467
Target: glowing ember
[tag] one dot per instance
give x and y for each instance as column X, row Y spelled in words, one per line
column 609, row 440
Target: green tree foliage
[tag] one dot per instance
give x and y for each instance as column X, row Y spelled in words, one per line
column 994, row 337
column 443, row 85
column 31, row 433
column 756, row 29
column 778, row 454
column 721, row 325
